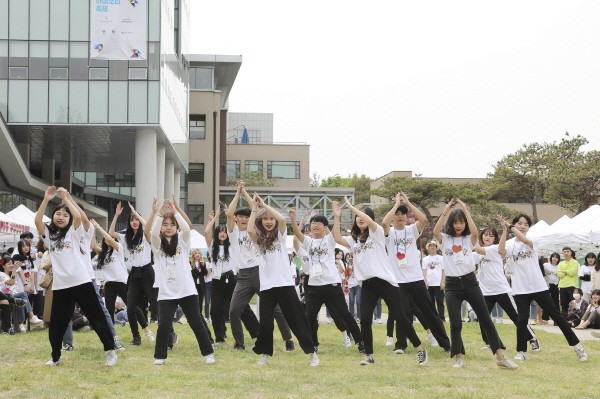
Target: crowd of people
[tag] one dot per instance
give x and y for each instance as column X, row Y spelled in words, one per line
column 82, row 276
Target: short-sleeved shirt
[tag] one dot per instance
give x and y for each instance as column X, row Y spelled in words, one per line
column 68, row 269
column 173, row 275
column 222, row 264
column 244, row 251
column 453, row 245
column 526, row 276
column 276, row 270
column 403, row 254
column 138, row 256
column 114, row 266
column 492, row 280
column 322, row 251
column 434, row 264
column 370, row 258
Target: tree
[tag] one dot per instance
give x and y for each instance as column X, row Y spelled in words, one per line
column 361, row 185
column 254, row 179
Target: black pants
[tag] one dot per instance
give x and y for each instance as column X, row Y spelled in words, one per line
column 63, row 305
column 373, row 289
column 507, row 303
column 566, row 296
column 222, row 291
column 140, row 280
column 333, row 297
column 112, row 289
column 292, row 309
column 191, row 310
column 437, row 297
column 553, row 288
column 401, row 340
column 338, row 320
column 544, row 300
column 466, row 288
column 416, row 291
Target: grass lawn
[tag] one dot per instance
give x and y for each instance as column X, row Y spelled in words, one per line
column 554, row 372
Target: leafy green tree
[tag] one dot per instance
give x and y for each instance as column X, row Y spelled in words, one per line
column 361, row 185
column 254, row 179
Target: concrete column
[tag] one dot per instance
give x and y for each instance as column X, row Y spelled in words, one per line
column 161, row 194
column 65, row 166
column 48, row 170
column 145, row 170
column 177, row 184
column 169, row 178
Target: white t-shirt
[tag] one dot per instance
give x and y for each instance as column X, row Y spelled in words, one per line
column 303, row 255
column 222, row 264
column 455, row 264
column 552, row 278
column 585, row 285
column 84, row 245
column 173, row 272
column 5, row 288
column 322, row 251
column 434, row 264
column 68, row 269
column 114, row 267
column 370, row 258
column 209, row 276
column 276, row 270
column 138, row 256
column 403, row 254
column 244, row 252
column 492, row 280
column 526, row 275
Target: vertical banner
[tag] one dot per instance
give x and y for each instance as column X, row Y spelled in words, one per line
column 118, row 29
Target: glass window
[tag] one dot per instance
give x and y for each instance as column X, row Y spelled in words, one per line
column 19, row 16
column 233, row 170
column 117, row 102
column 59, row 73
column 3, row 58
column 138, row 103
column 38, row 101
column 59, row 19
column 204, row 78
column 58, row 101
column 18, row 53
column 196, row 213
column 40, row 20
column 118, row 70
column 18, row 72
column 80, row 16
column 98, row 73
column 78, row 102
column 154, row 20
column 38, row 60
column 17, row 100
column 98, row 102
column 253, row 166
column 78, row 61
column 283, row 170
column 197, row 126
column 3, row 98
column 153, row 101
column 59, row 54
column 3, row 19
column 153, row 61
column 196, row 174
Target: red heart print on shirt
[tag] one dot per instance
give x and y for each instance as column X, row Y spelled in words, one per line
column 400, row 255
column 456, row 248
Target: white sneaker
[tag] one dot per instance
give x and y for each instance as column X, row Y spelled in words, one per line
column 505, row 363
column 159, row 362
column 149, row 336
column 432, row 341
column 399, row 351
column 22, row 328
column 378, row 321
column 53, row 363
column 209, row 359
column 34, row 320
column 314, row 360
column 500, row 320
column 111, row 358
column 459, row 363
column 485, row 347
column 347, row 342
column 520, row 356
column 118, row 344
column 581, row 354
column 263, row 360
column 389, row 341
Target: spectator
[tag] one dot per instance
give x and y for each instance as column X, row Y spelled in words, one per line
column 591, row 317
column 567, row 272
column 577, row 308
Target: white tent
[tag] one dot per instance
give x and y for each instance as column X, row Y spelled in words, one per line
column 10, row 230
column 197, row 241
column 577, row 233
column 26, row 216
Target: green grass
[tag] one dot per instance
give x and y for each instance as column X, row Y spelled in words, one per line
column 554, row 372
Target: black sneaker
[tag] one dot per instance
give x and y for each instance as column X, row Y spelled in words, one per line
column 361, row 347
column 239, row 347
column 422, row 357
column 67, row 348
column 367, row 360
column 136, row 341
column 535, row 345
column 289, row 346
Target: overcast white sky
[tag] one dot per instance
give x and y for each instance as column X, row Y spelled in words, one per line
column 442, row 88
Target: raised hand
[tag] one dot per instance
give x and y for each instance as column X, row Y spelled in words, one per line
column 62, row 193
column 94, row 223
column 292, row 213
column 50, row 192
column 335, row 206
column 119, row 209
column 404, row 197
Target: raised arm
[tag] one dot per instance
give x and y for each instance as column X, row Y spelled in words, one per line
column 39, row 215
column 387, row 219
column 297, row 233
column 181, row 212
column 470, row 222
column 157, row 223
column 278, row 216
column 519, row 235
column 502, row 242
column 421, row 217
column 181, row 218
column 337, row 235
column 137, row 215
column 85, row 221
column 110, row 241
column 148, row 225
column 213, row 216
column 64, row 196
column 230, row 210
column 372, row 225
column 246, row 196
column 439, row 225
column 252, row 222
column 113, row 224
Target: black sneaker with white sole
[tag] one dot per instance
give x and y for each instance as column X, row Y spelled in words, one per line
column 535, row 345
column 367, row 360
column 422, row 357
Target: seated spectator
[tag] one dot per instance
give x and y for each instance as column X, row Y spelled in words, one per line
column 577, row 308
column 121, row 312
column 591, row 317
column 9, row 286
column 80, row 322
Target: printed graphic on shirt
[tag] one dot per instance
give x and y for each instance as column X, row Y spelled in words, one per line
column 434, row 264
column 317, row 251
column 275, row 247
column 524, row 253
column 401, row 241
column 59, row 246
column 363, row 247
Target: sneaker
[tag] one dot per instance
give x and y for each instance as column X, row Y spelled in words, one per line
column 486, row 347
column 389, row 341
column 422, row 357
column 34, row 320
column 500, row 320
column 367, row 360
column 67, row 348
column 263, row 360
column 289, row 346
column 53, row 363
column 347, row 342
column 20, row 302
column 119, row 345
column 314, row 360
column 239, row 347
column 209, row 359
column 159, row 362
column 22, row 328
column 432, row 341
column 459, row 363
column 535, row 345
column 361, row 347
column 378, row 321
column 520, row 356
column 10, row 331
column 506, row 363
column 136, row 341
column 111, row 358
column 328, row 320
column 581, row 354
column 595, row 334
column 149, row 336
column 399, row 351
column 36, row 326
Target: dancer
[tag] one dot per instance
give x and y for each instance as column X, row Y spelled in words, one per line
column 373, row 269
column 550, row 268
column 267, row 228
column 528, row 285
column 175, row 283
column 457, row 233
column 433, row 266
column 71, row 283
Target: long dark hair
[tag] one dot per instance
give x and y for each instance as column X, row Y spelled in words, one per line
column 215, row 243
column 169, row 247
column 491, row 231
column 26, row 257
column 105, row 253
column 56, row 233
column 337, row 251
column 358, row 234
column 133, row 239
column 457, row 215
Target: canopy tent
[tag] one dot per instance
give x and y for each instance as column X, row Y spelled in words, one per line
column 26, row 216
column 577, row 233
column 10, row 230
column 197, row 241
